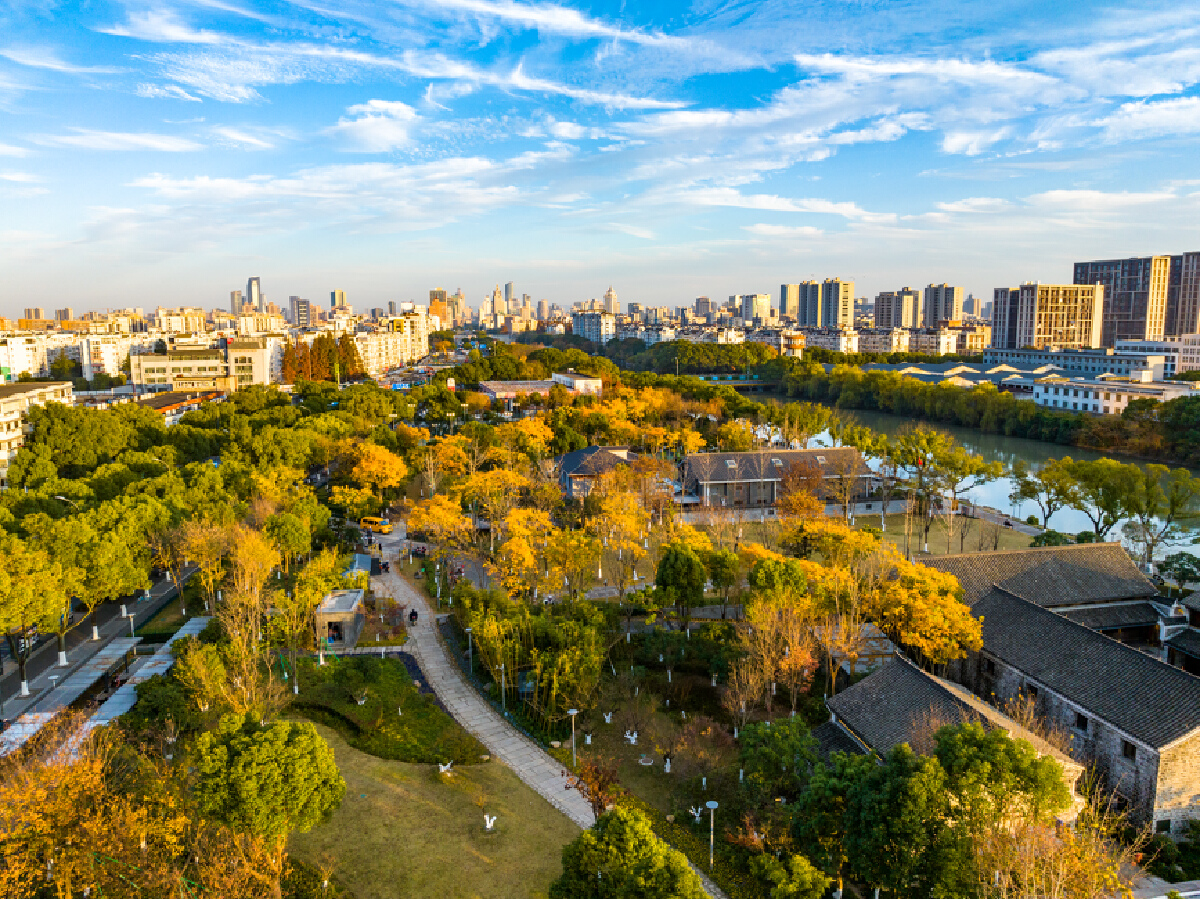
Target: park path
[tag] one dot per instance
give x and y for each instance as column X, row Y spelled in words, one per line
column 528, row 760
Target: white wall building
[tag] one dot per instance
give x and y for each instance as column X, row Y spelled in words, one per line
column 1106, row 395
column 15, row 400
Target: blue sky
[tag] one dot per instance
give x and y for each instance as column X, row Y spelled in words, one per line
column 162, row 152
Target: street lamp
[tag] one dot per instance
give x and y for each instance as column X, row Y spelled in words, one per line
column 470, row 653
column 573, row 713
column 712, row 814
column 503, row 703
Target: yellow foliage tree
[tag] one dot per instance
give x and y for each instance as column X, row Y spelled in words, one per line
column 376, row 468
column 521, row 562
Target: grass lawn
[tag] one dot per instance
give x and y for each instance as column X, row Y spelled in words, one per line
column 403, row 831
column 423, row 733
column 169, row 618
column 1009, row 538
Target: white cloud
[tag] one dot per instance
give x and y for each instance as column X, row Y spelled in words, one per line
column 632, row 230
column 724, row 196
column 241, row 138
column 42, row 58
column 161, row 26
column 971, row 143
column 553, row 19
column 380, row 126
column 20, row 177
column 86, row 139
column 165, row 91
column 10, row 150
column 766, row 230
column 975, row 204
column 1137, row 121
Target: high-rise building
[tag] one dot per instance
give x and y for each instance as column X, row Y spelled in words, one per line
column 35, row 312
column 1064, row 316
column 789, row 301
column 1146, row 297
column 438, row 293
column 391, row 307
column 809, row 304
column 598, row 327
column 705, row 307
column 499, row 303
column 543, row 312
column 337, row 298
column 235, row 302
column 897, row 308
column 64, row 315
column 509, row 294
column 837, row 303
column 301, row 312
column 254, row 294
column 942, row 303
column 753, row 306
column 971, row 306
column 610, row 301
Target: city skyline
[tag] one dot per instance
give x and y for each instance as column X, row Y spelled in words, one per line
column 160, row 154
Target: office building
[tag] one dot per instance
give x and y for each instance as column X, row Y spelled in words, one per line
column 235, row 302
column 543, row 310
column 705, row 307
column 509, row 295
column 610, row 301
column 1065, row 316
column 35, row 313
column 897, row 308
column 943, row 303
column 598, row 327
column 391, row 307
column 254, row 295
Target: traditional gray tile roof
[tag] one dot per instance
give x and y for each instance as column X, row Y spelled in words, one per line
column 715, row 468
column 591, row 461
column 895, row 703
column 1050, row 576
column 1135, row 693
column 1192, row 601
column 1187, row 641
column 831, row 738
column 1111, row 617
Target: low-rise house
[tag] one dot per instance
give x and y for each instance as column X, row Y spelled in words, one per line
column 339, row 620
column 753, row 479
column 174, row 405
column 1108, row 394
column 1047, row 619
column 578, row 471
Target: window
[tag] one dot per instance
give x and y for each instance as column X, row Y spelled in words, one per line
column 820, row 460
column 1081, row 722
column 778, row 463
column 989, row 666
column 1128, row 751
column 730, row 463
column 1163, row 826
column 1031, row 691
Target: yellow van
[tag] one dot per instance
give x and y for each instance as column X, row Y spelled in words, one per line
column 378, row 525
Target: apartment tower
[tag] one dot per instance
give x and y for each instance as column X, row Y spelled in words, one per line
column 942, row 303
column 1064, row 316
column 897, row 308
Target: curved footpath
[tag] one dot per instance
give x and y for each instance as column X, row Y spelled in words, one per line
column 528, row 760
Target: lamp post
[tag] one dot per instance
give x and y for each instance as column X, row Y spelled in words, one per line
column 573, row 713
column 503, row 702
column 470, row 653
column 712, row 814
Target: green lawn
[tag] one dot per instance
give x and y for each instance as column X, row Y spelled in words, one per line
column 1009, row 538
column 169, row 618
column 394, row 722
column 404, row 831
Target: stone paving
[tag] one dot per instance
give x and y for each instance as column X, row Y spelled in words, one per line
column 530, row 763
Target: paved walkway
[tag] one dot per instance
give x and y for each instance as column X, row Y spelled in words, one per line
column 530, row 763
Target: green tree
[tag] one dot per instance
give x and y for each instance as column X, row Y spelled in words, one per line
column 31, row 596
column 1052, row 486
column 290, row 535
column 1181, row 568
column 897, row 831
column 797, row 879
column 778, row 756
column 724, row 572
column 621, row 858
column 267, row 780
column 819, row 822
column 1106, row 489
column 1160, row 499
column 918, row 454
column 681, row 577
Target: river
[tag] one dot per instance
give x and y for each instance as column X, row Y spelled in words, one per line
column 994, row 448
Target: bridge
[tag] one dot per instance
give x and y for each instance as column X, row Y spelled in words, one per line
column 742, row 383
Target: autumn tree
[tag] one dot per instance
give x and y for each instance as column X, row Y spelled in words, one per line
column 32, row 595
column 206, row 544
column 522, row 562
column 574, row 558
column 373, row 467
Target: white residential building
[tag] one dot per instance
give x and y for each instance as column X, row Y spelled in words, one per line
column 598, row 327
column 22, row 354
column 841, row 340
column 935, row 341
column 883, row 340
column 1108, row 394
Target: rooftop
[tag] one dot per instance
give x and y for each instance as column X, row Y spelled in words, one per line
column 345, row 601
column 1136, row 693
column 1050, row 576
column 770, row 464
column 10, row 390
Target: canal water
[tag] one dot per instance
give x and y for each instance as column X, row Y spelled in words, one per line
column 996, row 448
